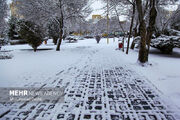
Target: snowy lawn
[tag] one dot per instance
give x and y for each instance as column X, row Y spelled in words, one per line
column 28, row 67
column 35, row 67
column 164, row 72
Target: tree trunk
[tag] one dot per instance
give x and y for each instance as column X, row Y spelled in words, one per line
column 130, row 30
column 55, row 41
column 61, row 25
column 152, row 21
column 60, row 39
column 123, row 43
column 35, row 49
column 132, row 45
column 143, row 50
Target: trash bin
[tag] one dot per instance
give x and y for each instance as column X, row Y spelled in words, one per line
column 120, row 45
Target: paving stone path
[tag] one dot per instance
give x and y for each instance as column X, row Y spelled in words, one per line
column 114, row 94
column 97, row 93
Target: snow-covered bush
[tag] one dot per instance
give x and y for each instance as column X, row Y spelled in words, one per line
column 171, row 32
column 31, row 33
column 166, row 43
column 71, row 39
column 136, row 41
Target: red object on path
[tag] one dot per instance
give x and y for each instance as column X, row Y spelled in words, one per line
column 120, row 45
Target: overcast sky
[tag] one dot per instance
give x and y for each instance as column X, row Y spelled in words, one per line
column 97, row 6
column 8, row 1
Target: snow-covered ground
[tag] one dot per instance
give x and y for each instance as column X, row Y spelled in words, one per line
column 164, row 72
column 28, row 68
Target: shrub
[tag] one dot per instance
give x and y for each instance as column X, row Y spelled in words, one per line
column 30, row 32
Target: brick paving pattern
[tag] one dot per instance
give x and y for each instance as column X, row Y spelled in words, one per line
column 115, row 94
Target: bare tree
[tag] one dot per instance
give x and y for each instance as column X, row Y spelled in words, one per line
column 175, row 22
column 132, row 23
column 164, row 16
column 152, row 22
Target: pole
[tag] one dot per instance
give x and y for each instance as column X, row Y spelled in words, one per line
column 107, row 21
